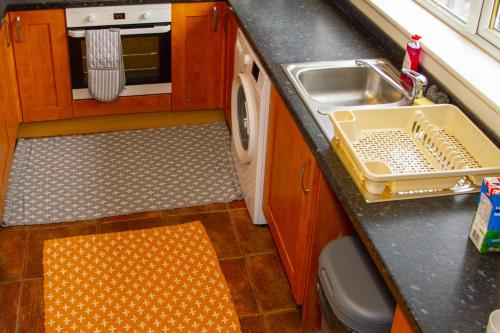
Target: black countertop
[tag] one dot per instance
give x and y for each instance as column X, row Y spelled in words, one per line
column 421, row 247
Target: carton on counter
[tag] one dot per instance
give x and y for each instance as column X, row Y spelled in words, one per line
column 485, row 231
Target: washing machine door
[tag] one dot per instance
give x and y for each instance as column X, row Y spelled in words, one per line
column 244, row 118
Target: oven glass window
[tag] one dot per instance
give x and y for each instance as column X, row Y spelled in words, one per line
column 146, row 59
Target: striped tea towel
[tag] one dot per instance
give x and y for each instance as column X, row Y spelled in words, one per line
column 106, row 74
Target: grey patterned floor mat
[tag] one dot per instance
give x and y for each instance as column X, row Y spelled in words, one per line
column 83, row 177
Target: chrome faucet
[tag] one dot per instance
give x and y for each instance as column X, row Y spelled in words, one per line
column 419, row 83
column 419, row 80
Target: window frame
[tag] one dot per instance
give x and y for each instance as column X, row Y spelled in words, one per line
column 486, row 16
column 476, row 29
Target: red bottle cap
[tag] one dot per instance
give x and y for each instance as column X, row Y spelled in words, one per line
column 415, row 37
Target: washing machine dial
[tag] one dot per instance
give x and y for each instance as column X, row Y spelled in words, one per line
column 146, row 15
column 91, row 18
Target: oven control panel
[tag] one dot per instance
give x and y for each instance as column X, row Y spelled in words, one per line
column 117, row 15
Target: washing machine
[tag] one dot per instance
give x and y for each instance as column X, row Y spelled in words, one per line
column 249, row 116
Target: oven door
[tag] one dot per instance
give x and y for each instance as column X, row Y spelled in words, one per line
column 146, row 58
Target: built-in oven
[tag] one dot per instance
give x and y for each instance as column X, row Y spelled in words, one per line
column 146, row 45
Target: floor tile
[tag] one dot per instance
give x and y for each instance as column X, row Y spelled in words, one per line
column 196, row 209
column 219, row 230
column 36, row 237
column 244, row 297
column 12, row 251
column 253, row 238
column 284, row 322
column 9, row 296
column 237, row 204
column 31, row 311
column 272, row 285
column 230, row 229
column 255, row 324
column 131, row 222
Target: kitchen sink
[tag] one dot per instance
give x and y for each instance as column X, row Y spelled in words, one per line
column 332, row 85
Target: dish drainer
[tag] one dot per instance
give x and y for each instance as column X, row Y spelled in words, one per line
column 406, row 152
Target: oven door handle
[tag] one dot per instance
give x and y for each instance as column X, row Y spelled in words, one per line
column 160, row 29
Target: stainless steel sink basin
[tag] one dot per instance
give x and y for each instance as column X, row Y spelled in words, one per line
column 347, row 86
column 333, row 85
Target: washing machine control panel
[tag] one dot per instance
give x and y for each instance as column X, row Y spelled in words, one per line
column 245, row 61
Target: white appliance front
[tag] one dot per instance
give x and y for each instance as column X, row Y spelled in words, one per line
column 146, row 43
column 249, row 114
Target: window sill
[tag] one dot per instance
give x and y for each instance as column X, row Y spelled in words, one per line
column 469, row 72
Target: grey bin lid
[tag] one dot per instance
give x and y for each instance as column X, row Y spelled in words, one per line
column 357, row 294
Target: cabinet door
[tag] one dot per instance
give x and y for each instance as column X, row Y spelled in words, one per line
column 230, row 32
column 10, row 110
column 290, row 190
column 5, row 108
column 41, row 52
column 5, row 94
column 8, row 73
column 400, row 324
column 5, row 156
column 197, row 80
column 330, row 222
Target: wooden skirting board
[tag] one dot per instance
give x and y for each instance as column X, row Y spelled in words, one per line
column 123, row 105
column 118, row 123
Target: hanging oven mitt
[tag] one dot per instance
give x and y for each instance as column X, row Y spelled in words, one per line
column 106, row 74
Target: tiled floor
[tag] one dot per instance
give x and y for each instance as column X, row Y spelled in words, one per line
column 246, row 252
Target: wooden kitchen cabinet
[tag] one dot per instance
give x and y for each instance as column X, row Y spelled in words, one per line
column 330, row 222
column 5, row 152
column 9, row 76
column 400, row 324
column 197, row 57
column 42, row 63
column 10, row 109
column 291, row 176
column 302, row 210
column 230, row 32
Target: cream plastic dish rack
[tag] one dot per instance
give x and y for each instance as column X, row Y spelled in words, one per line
column 416, row 148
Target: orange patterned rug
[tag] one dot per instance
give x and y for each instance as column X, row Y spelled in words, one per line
column 164, row 279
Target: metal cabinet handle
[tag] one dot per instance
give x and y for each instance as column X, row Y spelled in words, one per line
column 7, row 27
column 302, row 175
column 226, row 19
column 18, row 28
column 216, row 17
column 9, row 34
